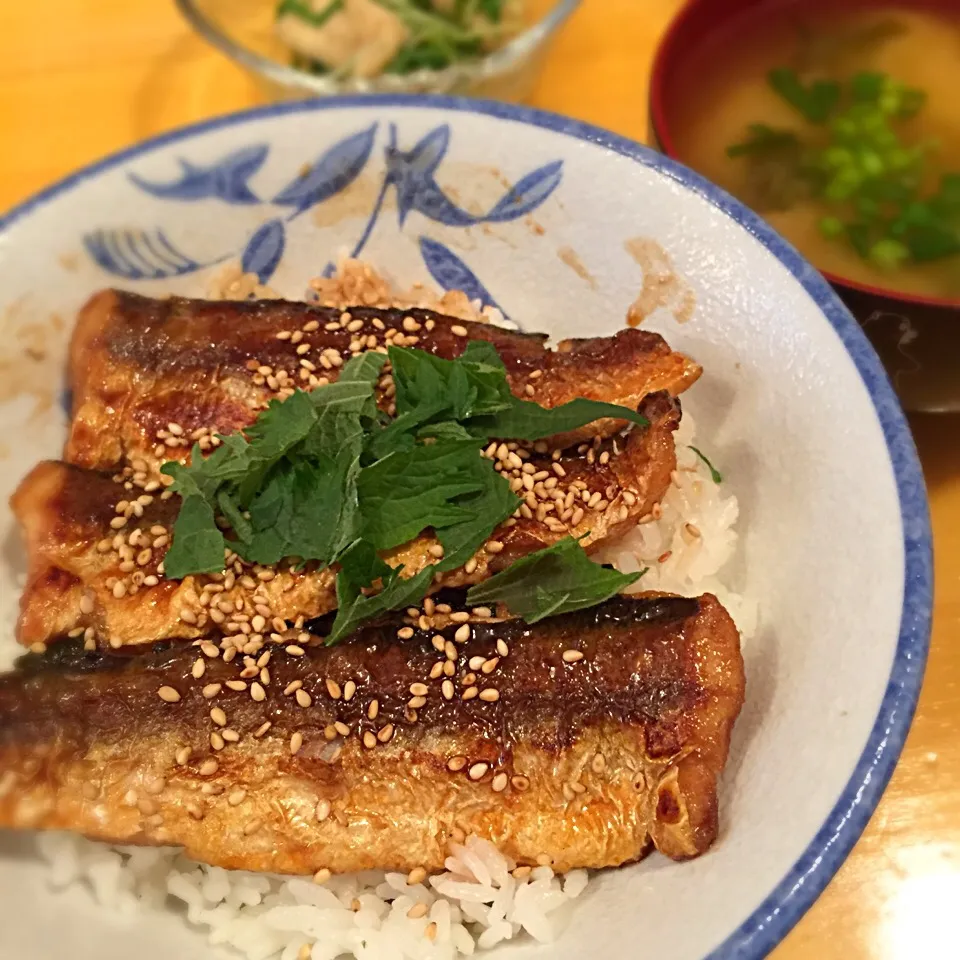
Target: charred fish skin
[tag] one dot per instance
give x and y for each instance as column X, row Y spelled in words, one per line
column 582, row 740
column 96, row 542
column 138, row 366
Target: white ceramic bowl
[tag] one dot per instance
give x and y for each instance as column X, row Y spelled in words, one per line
column 507, row 202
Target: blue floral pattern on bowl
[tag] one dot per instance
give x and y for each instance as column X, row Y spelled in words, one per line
column 149, row 254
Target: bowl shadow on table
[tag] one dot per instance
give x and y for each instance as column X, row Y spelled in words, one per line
column 938, row 442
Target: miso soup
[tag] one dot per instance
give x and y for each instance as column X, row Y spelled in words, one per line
column 842, row 128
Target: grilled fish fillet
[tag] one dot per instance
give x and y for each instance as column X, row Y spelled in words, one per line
column 367, row 755
column 83, row 575
column 139, row 365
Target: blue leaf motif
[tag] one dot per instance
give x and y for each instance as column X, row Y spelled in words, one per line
column 264, row 250
column 453, row 274
column 411, row 172
column 527, row 193
column 334, row 171
column 136, row 255
column 225, row 179
column 427, row 198
column 427, row 153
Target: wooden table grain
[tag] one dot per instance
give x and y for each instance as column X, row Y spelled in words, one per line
column 81, row 78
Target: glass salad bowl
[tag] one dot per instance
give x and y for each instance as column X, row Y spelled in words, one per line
column 245, row 30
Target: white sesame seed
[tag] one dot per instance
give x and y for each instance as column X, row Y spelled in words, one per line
column 418, row 910
column 386, row 733
column 218, row 716
column 320, row 877
column 369, row 740
column 183, row 756
column 490, row 665
column 257, row 692
column 463, row 633
column 458, row 331
column 418, row 689
column 333, row 688
column 447, row 689
column 168, row 694
column 499, row 783
column 490, row 694
column 296, row 742
column 478, row 770
column 502, row 648
column 209, row 767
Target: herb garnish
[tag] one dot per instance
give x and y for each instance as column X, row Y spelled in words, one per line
column 714, row 472
column 558, row 579
column 816, row 100
column 326, row 477
column 860, row 165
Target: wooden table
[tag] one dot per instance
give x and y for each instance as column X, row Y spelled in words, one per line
column 81, row 78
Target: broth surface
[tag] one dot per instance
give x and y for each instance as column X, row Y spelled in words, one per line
column 725, row 88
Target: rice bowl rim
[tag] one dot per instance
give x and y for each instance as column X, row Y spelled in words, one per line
column 790, row 898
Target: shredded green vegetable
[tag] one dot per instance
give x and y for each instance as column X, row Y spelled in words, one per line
column 438, row 34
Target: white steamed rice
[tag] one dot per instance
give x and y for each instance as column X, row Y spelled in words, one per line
column 477, row 902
